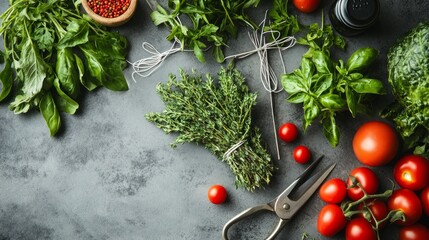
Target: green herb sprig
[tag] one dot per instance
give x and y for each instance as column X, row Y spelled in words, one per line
column 326, row 87
column 216, row 114
column 54, row 50
column 212, row 23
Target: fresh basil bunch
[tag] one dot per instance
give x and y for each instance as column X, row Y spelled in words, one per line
column 326, row 87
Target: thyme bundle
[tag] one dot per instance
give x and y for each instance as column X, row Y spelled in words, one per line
column 216, row 114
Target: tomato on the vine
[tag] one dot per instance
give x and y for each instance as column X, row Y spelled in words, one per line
column 301, row 154
column 412, row 172
column 414, row 232
column 288, row 132
column 409, row 203
column 358, row 229
column 306, row 6
column 331, row 220
column 367, row 179
column 375, row 143
column 378, row 209
column 333, row 191
column 217, row 194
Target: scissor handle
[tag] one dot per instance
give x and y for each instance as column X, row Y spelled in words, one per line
column 248, row 212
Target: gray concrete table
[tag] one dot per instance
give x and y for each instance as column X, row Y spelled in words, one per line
column 112, row 175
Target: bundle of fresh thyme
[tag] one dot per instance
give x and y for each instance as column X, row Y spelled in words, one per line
column 216, row 114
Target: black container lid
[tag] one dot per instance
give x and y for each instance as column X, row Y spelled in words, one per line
column 362, row 11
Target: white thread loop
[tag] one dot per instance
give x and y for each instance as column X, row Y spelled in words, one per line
column 146, row 66
column 232, row 149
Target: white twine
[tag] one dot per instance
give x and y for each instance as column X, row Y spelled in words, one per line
column 232, row 149
column 146, row 66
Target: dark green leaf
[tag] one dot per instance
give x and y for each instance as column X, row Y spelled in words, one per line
column 6, row 78
column 64, row 102
column 361, row 59
column 311, row 111
column 67, row 72
column 368, row 85
column 298, row 97
column 333, row 101
column 50, row 113
column 351, row 101
column 77, row 33
column 321, row 83
column 322, row 62
column 218, row 54
column 292, row 84
column 330, row 129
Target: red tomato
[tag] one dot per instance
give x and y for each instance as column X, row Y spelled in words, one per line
column 375, row 143
column 367, row 179
column 217, row 194
column 424, row 197
column 409, row 203
column 301, row 154
column 412, row 172
column 333, row 191
column 331, row 220
column 288, row 132
column 414, row 232
column 378, row 209
column 359, row 229
column 306, row 6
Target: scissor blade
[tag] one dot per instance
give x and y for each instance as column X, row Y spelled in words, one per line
column 152, row 4
column 286, row 208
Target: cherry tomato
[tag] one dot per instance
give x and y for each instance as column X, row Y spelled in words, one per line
column 306, row 6
column 414, row 232
column 375, row 143
column 359, row 229
column 331, row 220
column 409, row 203
column 217, row 194
column 333, row 191
column 367, row 179
column 412, row 172
column 378, row 209
column 301, row 154
column 288, row 132
column 424, row 198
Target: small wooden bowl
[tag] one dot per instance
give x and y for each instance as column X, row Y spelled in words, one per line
column 111, row 22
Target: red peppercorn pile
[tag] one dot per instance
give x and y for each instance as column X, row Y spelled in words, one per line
column 109, row 8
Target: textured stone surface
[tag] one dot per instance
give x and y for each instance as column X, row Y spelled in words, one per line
column 112, row 175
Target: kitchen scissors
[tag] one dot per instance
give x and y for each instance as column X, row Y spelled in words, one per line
column 282, row 205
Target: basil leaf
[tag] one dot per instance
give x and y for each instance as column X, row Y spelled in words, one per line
column 292, row 83
column 311, row 111
column 33, row 69
column 368, row 85
column 65, row 103
column 77, row 33
column 332, row 101
column 218, row 54
column 50, row 113
column 321, row 83
column 298, row 97
column 351, row 101
column 6, row 78
column 67, row 72
column 330, row 129
column 307, row 68
column 104, row 62
column 361, row 59
column 322, row 62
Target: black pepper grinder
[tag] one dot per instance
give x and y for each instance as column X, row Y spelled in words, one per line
column 353, row 17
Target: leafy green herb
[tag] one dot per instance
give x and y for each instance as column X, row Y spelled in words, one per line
column 212, row 23
column 53, row 50
column 408, row 69
column 216, row 114
column 326, row 87
column 281, row 20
